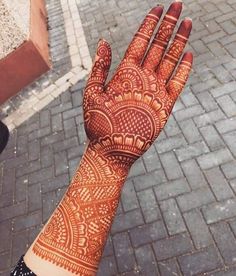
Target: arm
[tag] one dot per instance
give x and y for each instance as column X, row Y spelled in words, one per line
column 122, row 120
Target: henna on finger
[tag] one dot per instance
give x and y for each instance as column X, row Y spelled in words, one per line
column 139, row 44
column 162, row 37
column 178, row 81
column 98, row 74
column 171, row 58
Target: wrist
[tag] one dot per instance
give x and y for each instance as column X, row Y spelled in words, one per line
column 104, row 163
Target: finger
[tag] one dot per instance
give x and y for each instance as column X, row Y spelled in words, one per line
column 101, row 65
column 171, row 58
column 139, row 44
column 178, row 81
column 162, row 37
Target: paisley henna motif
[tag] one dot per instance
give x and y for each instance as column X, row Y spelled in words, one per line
column 122, row 120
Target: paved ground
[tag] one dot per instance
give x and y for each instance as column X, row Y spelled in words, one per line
column 60, row 59
column 178, row 210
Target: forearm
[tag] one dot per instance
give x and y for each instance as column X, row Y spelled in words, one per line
column 75, row 235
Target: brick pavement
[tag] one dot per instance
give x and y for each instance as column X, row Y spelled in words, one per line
column 60, row 59
column 178, row 210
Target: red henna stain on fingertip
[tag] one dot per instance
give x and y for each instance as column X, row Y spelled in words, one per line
column 157, row 11
column 185, row 28
column 188, row 56
column 175, row 9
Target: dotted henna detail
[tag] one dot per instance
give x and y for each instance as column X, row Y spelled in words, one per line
column 122, row 120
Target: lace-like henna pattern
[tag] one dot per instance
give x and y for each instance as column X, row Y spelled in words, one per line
column 122, row 119
column 162, row 36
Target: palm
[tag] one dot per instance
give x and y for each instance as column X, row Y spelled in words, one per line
column 124, row 117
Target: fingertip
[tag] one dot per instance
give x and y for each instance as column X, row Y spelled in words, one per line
column 175, row 9
column 185, row 27
column 187, row 22
column 188, row 57
column 157, row 11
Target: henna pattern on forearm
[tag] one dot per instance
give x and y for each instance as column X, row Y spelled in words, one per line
column 122, row 120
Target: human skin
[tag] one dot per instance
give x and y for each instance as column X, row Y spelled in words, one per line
column 122, row 120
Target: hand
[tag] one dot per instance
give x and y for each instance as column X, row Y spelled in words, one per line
column 124, row 117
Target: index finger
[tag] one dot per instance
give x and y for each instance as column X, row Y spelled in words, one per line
column 139, row 44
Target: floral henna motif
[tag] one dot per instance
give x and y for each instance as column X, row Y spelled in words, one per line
column 122, row 120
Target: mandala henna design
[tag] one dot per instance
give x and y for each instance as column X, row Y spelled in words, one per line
column 122, row 120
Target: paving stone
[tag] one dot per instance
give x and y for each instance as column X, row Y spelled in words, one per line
column 12, row 211
column 128, row 197
column 137, row 169
column 191, row 151
column 171, row 143
column 171, row 166
column 194, row 199
column 207, row 101
column 228, row 272
column 225, row 241
column 108, row 249
column 230, row 140
column 223, row 90
column 193, row 174
column 61, row 163
column 126, row 221
column 219, row 211
column 149, row 205
column 107, row 266
column 172, row 216
column 5, row 233
column 227, row 105
column 149, row 180
column 34, row 197
column 172, row 189
column 52, row 138
column 148, row 233
column 188, row 98
column 123, row 252
column 171, row 127
column 146, row 261
column 38, row 176
column 173, row 246
column 213, row 139
column 227, row 125
column 46, row 157
column 200, row 262
column 24, row 222
column 198, row 229
column 218, row 184
column 5, row 260
column 190, row 131
column 50, row 201
column 229, row 169
column 213, row 159
column 65, row 144
column 188, row 113
column 151, row 160
column 209, row 118
column 169, row 268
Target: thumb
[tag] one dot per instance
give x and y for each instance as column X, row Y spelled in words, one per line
column 101, row 64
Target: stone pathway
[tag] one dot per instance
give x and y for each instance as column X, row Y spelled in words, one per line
column 178, row 210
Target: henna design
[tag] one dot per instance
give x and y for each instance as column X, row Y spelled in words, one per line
column 162, row 37
column 175, row 51
column 122, row 120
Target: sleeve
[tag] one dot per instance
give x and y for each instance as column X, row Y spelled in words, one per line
column 21, row 269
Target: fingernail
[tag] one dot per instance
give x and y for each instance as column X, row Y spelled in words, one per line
column 188, row 18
